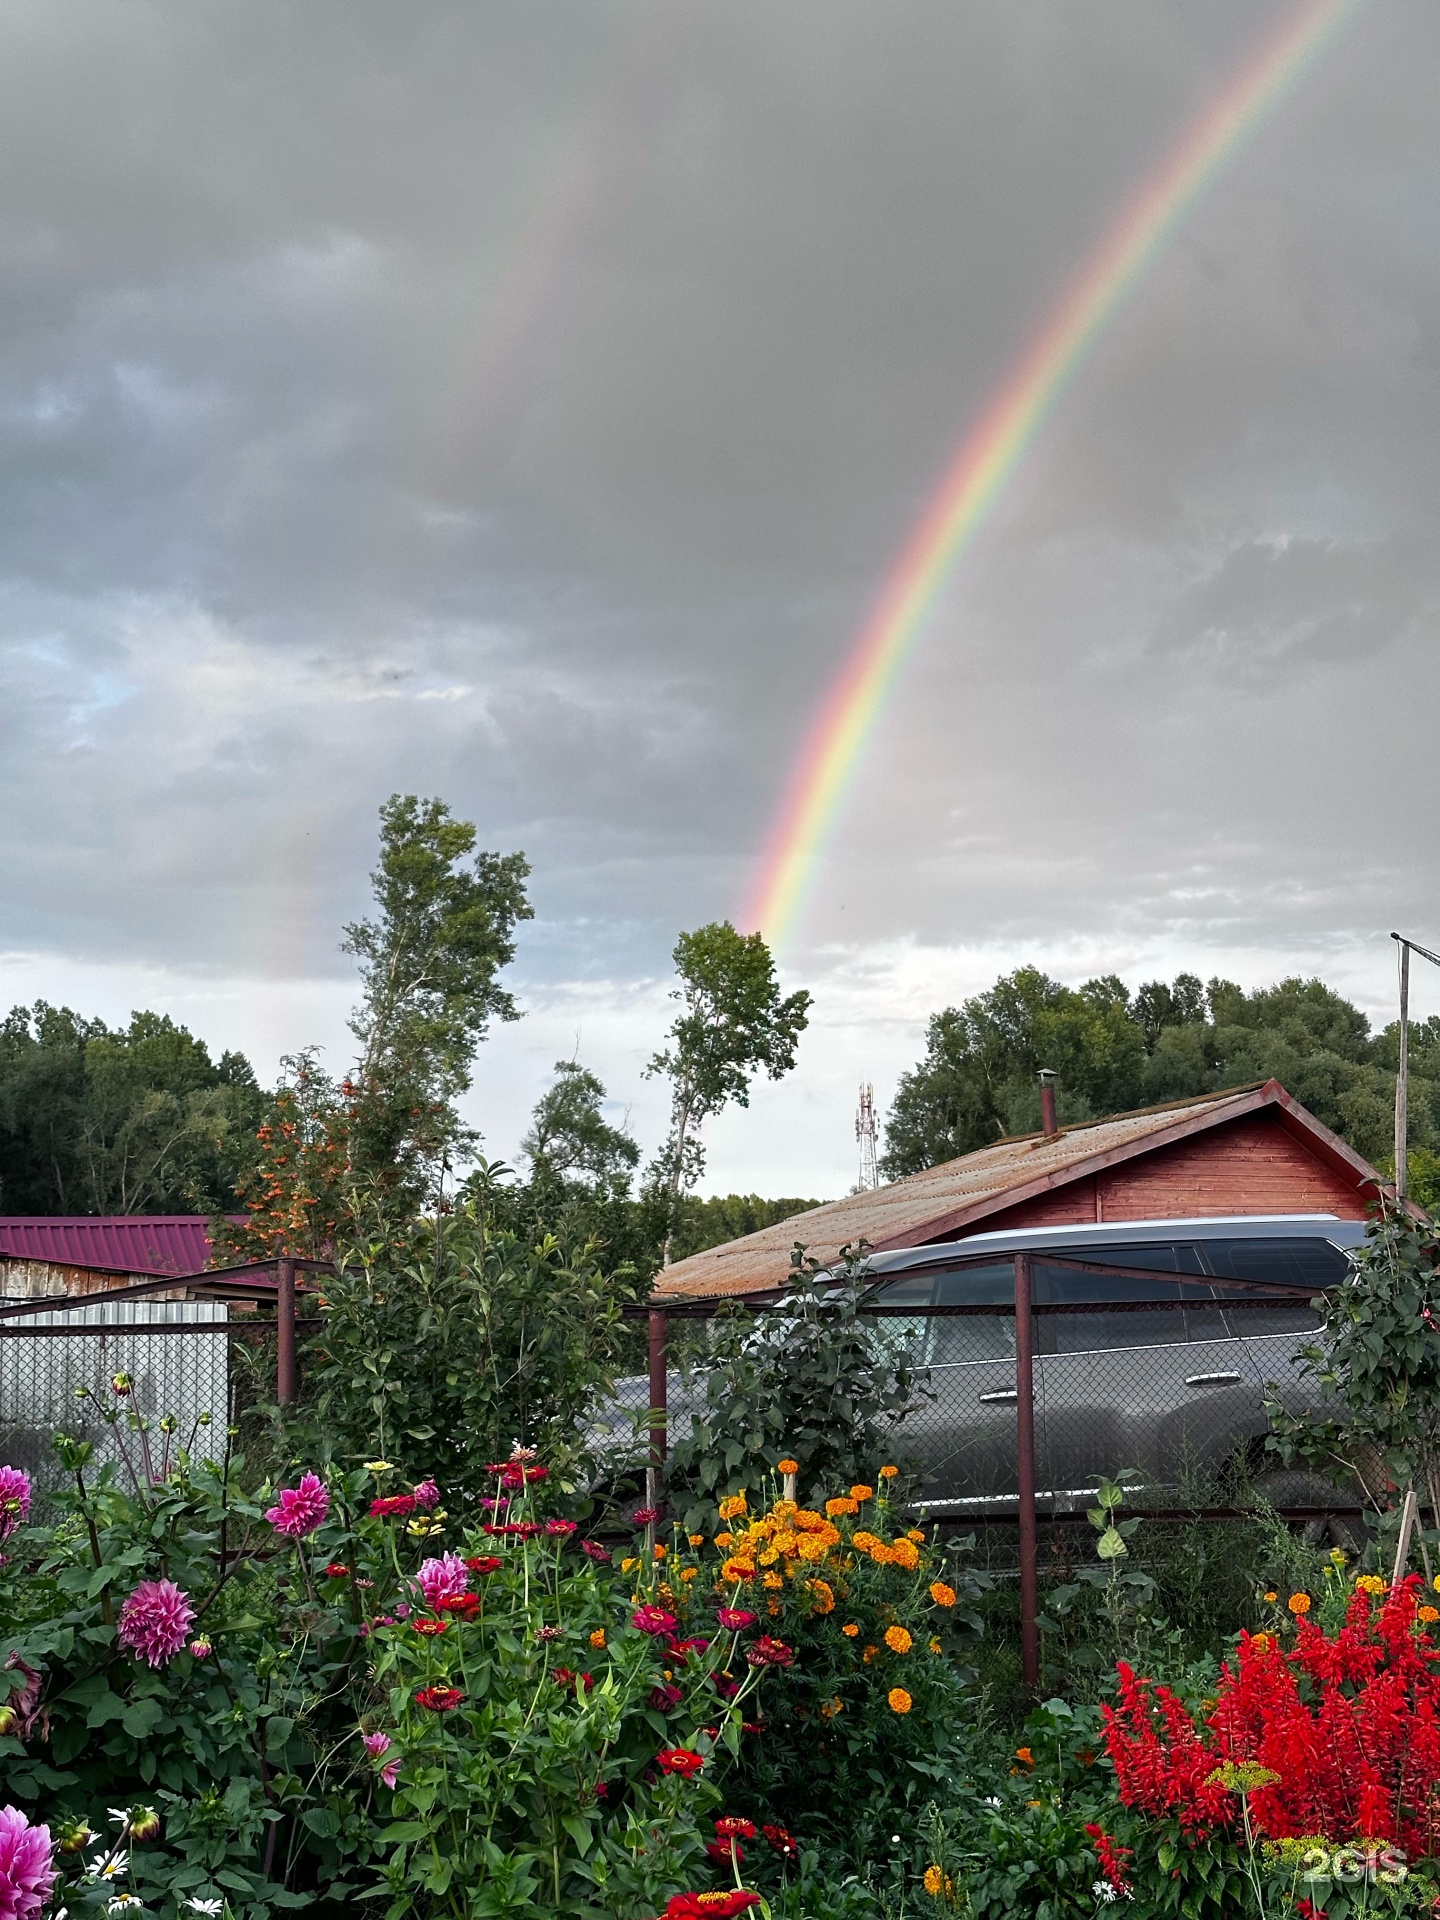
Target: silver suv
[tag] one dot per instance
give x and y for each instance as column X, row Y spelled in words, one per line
column 1122, row 1379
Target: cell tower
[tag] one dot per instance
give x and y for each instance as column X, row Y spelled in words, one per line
column 866, row 1132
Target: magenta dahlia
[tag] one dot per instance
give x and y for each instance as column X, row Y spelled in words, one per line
column 300, row 1510
column 154, row 1623
column 14, row 1499
column 26, row 1873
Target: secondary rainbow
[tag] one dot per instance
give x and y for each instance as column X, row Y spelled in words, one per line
column 998, row 440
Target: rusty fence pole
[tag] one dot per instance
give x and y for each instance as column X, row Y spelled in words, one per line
column 285, row 1331
column 1025, row 1463
column 659, row 1363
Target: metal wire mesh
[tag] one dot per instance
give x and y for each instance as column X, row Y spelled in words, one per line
column 56, row 1368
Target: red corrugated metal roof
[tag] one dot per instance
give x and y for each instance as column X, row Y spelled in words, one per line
column 127, row 1243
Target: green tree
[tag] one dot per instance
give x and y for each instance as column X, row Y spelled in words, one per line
column 429, row 965
column 1170, row 1042
column 138, row 1119
column 569, row 1135
column 733, row 1023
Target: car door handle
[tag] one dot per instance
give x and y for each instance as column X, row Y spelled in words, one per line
column 1007, row 1393
column 1212, row 1379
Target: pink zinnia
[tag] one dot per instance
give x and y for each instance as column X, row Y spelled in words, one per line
column 375, row 1745
column 444, row 1579
column 653, row 1620
column 14, row 1499
column 300, row 1510
column 427, row 1495
column 26, row 1875
column 560, row 1529
column 154, row 1622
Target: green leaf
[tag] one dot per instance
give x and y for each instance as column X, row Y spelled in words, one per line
column 142, row 1716
column 579, row 1831
column 108, row 1707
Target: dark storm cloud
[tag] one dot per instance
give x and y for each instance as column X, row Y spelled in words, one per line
column 524, row 404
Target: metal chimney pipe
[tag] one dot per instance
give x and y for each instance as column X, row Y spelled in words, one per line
column 1049, row 1126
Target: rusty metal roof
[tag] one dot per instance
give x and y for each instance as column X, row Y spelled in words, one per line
column 124, row 1243
column 950, row 1200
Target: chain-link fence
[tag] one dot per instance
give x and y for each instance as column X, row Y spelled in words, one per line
column 1041, row 1374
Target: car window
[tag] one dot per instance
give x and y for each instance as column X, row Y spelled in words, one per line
column 1160, row 1256
column 1057, row 1286
column 1313, row 1263
column 1094, row 1332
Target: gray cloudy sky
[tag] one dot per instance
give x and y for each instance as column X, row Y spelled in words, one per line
column 524, row 404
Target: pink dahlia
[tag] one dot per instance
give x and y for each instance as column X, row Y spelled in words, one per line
column 300, row 1510
column 427, row 1495
column 443, row 1579
column 26, row 1873
column 14, row 1499
column 154, row 1622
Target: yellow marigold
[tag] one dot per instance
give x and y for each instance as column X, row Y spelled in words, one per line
column 1299, row 1603
column 1427, row 1614
column 788, row 1466
column 934, row 1878
column 881, row 1554
column 785, row 1510
column 732, row 1506
column 629, row 1565
column 842, row 1503
column 1271, row 1597
column 787, row 1545
column 738, row 1569
column 822, row 1596
column 850, row 1630
column 768, row 1556
column 898, row 1639
column 942, row 1595
column 866, row 1542
column 916, row 1535
column 725, row 1539
column 898, row 1700
column 1261, row 1639
column 862, row 1493
column 773, row 1607
column 904, row 1553
column 689, row 1573
column 935, row 1647
column 773, row 1580
column 696, row 1539
column 1370, row 1583
column 597, row 1638
column 870, row 1653
column 811, row 1547
column 806, row 1519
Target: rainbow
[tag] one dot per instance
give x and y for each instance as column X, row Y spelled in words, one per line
column 997, row 442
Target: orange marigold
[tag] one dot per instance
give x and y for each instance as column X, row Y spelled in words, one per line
column 870, row 1653
column 822, row 1596
column 696, row 1539
column 898, row 1639
column 850, row 1630
column 1427, row 1614
column 942, row 1595
column 904, row 1553
column 916, row 1535
column 788, row 1466
column 866, row 1542
column 732, row 1506
column 597, row 1638
column 889, row 1473
column 842, row 1503
column 1299, row 1603
column 862, row 1493
column 738, row 1569
column 898, row 1700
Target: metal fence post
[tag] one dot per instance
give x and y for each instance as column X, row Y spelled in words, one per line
column 659, row 1361
column 1025, row 1464
column 285, row 1331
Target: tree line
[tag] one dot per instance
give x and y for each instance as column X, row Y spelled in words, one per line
column 1113, row 1050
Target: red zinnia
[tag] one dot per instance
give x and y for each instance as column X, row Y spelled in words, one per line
column 431, row 1626
column 395, row 1503
column 733, row 1619
column 710, row 1906
column 770, row 1653
column 439, row 1699
column 732, row 1826
column 484, row 1563
column 336, row 1570
column 465, row 1606
column 724, row 1851
column 681, row 1760
column 780, row 1838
